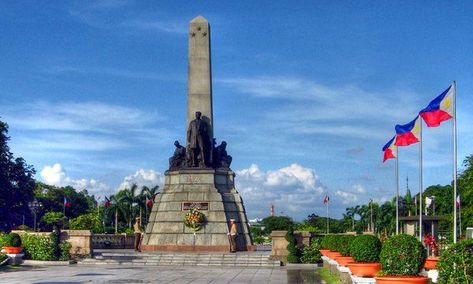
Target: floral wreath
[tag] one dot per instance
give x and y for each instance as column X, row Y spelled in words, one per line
column 194, row 219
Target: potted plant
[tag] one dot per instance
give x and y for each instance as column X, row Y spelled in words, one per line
column 333, row 245
column 344, row 249
column 431, row 261
column 402, row 258
column 324, row 250
column 365, row 251
column 12, row 243
column 456, row 263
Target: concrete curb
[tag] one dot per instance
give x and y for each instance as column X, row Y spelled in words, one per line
column 48, row 263
column 301, row 265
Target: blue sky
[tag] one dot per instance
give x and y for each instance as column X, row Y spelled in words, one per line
column 305, row 94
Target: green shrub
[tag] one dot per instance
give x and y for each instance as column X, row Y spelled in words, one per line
column 90, row 221
column 12, row 240
column 294, row 251
column 2, row 238
column 38, row 247
column 65, row 251
column 330, row 242
column 311, row 254
column 456, row 263
column 402, row 255
column 365, row 248
column 344, row 244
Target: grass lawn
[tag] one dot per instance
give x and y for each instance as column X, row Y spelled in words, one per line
column 327, row 276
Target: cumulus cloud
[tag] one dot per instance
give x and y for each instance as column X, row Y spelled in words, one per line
column 141, row 178
column 56, row 175
column 294, row 190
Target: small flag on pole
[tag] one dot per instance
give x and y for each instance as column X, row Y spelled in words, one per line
column 428, row 202
column 66, row 202
column 149, row 202
column 439, row 109
column 409, row 133
column 458, row 201
column 389, row 150
column 326, row 199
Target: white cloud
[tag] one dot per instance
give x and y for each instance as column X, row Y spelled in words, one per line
column 359, row 188
column 53, row 175
column 56, row 175
column 142, row 177
column 294, row 190
column 346, row 197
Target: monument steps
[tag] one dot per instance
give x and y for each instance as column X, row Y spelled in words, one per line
column 243, row 259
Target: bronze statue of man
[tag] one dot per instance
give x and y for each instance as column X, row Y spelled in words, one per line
column 197, row 136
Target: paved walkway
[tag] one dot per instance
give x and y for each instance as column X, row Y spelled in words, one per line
column 157, row 274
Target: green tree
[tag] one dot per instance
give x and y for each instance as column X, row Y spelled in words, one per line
column 116, row 207
column 16, row 184
column 277, row 223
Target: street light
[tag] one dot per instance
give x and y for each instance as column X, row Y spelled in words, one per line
column 35, row 206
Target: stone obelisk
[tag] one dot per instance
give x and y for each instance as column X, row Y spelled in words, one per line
column 199, row 96
column 209, row 187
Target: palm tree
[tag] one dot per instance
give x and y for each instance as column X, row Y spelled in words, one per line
column 148, row 194
column 113, row 206
column 130, row 198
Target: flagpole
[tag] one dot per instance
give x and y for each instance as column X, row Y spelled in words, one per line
column 460, row 218
column 454, row 85
column 397, row 190
column 327, row 219
column 420, row 181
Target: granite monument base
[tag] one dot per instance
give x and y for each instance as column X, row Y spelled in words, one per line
column 213, row 193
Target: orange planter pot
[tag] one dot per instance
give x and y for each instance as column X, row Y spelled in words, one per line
column 12, row 250
column 431, row 262
column 333, row 254
column 402, row 280
column 344, row 260
column 324, row 251
column 364, row 269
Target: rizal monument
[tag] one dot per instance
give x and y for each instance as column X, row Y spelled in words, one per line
column 199, row 198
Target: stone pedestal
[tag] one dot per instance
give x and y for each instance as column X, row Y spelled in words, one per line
column 212, row 190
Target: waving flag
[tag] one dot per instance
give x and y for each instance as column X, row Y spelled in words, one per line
column 389, row 150
column 458, row 201
column 66, row 202
column 440, row 109
column 326, row 199
column 409, row 133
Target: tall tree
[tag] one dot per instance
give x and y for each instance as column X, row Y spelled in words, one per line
column 16, row 184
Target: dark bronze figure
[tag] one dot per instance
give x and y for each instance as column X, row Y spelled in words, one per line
column 197, row 142
column 177, row 160
column 221, row 158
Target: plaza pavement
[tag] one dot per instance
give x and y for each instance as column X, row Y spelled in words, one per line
column 155, row 274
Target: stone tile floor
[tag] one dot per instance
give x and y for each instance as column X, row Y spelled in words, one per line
column 156, row 274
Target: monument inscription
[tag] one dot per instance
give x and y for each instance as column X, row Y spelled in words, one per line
column 195, row 205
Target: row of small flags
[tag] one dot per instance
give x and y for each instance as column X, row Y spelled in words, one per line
column 439, row 110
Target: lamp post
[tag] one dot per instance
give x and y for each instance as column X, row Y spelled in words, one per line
column 35, row 206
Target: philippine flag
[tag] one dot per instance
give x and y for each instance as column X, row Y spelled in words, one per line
column 458, row 201
column 409, row 133
column 440, row 109
column 389, row 150
column 66, row 202
column 326, row 199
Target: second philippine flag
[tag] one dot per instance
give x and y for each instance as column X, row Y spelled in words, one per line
column 439, row 109
column 389, row 150
column 409, row 133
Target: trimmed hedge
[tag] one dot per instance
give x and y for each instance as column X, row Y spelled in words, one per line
column 402, row 255
column 456, row 263
column 365, row 248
